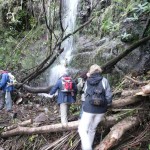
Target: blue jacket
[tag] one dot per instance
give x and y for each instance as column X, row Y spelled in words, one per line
column 91, row 81
column 4, row 83
column 64, row 97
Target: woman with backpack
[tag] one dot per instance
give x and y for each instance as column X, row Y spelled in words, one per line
column 81, row 86
column 67, row 91
column 98, row 96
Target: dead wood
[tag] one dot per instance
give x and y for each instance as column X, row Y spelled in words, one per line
column 116, row 132
column 43, row 129
column 37, row 89
column 48, row 146
column 126, row 101
column 136, row 82
column 142, row 94
column 129, row 92
column 109, row 65
column 146, row 89
column 107, row 122
column 24, row 123
column 137, row 139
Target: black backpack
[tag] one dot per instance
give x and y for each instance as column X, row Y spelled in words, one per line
column 98, row 96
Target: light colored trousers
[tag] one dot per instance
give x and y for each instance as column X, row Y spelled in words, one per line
column 87, row 129
column 63, row 113
column 8, row 101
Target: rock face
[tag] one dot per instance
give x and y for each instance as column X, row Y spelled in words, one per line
column 97, row 49
column 100, row 51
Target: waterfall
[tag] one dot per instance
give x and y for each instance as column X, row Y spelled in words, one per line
column 69, row 13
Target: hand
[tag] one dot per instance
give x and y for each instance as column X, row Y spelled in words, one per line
column 109, row 105
column 51, row 96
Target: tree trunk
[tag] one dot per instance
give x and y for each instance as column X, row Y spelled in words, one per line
column 19, row 129
column 116, row 133
column 37, row 90
column 43, row 129
column 126, row 101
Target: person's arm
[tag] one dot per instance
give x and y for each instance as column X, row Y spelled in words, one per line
column 55, row 88
column 108, row 91
column 80, row 84
column 3, row 81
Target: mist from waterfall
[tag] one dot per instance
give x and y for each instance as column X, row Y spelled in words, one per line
column 69, row 13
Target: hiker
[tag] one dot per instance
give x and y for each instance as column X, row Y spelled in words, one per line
column 67, row 91
column 81, row 86
column 98, row 97
column 6, row 87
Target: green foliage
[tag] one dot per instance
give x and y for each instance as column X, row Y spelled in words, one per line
column 147, row 9
column 74, row 109
column 9, row 57
column 32, row 21
column 14, row 48
column 106, row 25
column 134, row 18
column 32, row 138
column 125, row 36
column 115, row 27
column 21, row 21
column 141, row 8
column 129, row 8
column 21, row 14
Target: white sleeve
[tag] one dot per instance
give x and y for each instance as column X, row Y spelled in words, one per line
column 108, row 92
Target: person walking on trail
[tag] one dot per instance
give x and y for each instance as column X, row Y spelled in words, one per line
column 67, row 91
column 6, row 88
column 98, row 97
column 81, row 86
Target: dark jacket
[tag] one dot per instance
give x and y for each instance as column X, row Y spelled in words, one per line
column 64, row 97
column 4, row 83
column 92, row 81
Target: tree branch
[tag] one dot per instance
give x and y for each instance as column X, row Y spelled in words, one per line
column 109, row 65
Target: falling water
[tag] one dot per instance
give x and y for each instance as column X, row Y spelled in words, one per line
column 69, row 13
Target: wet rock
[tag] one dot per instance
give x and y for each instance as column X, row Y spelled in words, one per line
column 42, row 117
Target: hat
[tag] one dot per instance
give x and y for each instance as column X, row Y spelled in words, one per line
column 63, row 71
column 83, row 74
column 95, row 69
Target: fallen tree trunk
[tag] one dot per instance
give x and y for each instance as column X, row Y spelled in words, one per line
column 126, row 93
column 127, row 101
column 19, row 129
column 43, row 129
column 24, row 123
column 37, row 90
column 117, row 131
